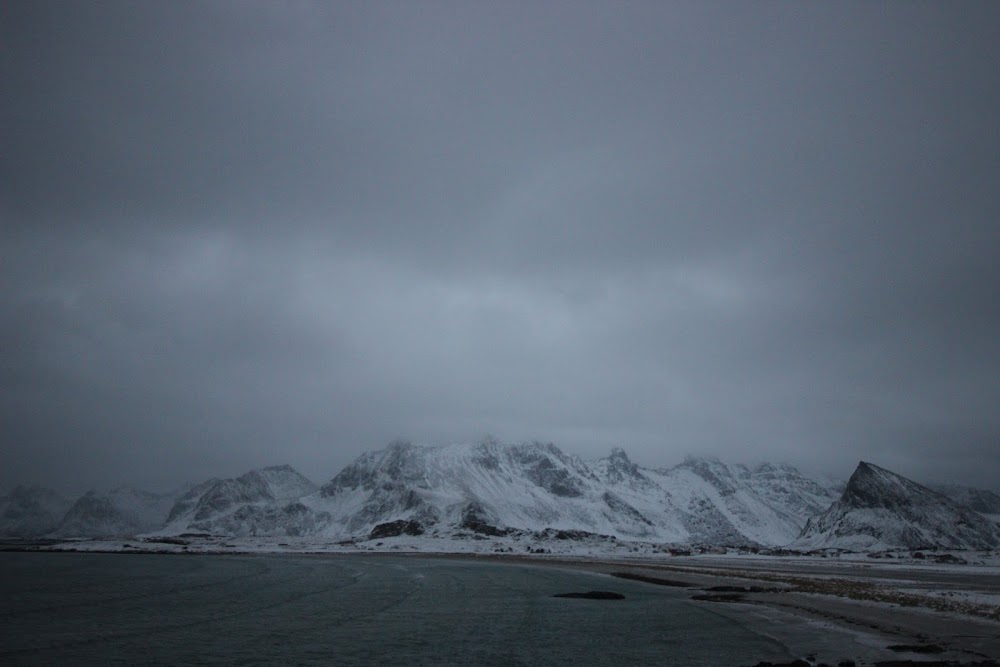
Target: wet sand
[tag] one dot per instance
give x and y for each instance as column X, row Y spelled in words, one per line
column 834, row 612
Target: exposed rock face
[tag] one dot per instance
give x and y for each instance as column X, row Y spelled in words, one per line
column 31, row 511
column 396, row 528
column 880, row 509
column 619, row 470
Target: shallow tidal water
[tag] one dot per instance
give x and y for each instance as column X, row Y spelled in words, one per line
column 87, row 608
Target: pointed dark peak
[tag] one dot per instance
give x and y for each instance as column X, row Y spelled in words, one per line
column 866, row 470
column 874, row 486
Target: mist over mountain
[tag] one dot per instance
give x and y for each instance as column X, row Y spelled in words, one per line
column 236, row 506
column 122, row 511
column 31, row 510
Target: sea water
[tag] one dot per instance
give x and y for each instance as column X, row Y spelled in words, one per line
column 111, row 608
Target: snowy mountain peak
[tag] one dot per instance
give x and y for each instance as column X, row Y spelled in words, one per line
column 618, row 468
column 618, row 455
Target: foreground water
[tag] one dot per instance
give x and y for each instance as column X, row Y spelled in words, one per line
column 73, row 608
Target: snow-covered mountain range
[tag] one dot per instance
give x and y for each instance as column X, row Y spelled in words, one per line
column 882, row 510
column 489, row 489
column 494, row 488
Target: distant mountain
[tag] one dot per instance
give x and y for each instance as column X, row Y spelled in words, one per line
column 880, row 509
column 122, row 511
column 247, row 505
column 30, row 511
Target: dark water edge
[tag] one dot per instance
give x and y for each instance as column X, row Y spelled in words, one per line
column 120, row 608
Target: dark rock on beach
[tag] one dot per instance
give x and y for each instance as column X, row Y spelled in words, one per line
column 651, row 580
column 718, row 597
column 592, row 595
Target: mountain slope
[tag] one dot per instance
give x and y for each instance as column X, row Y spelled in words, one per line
column 30, row 511
column 880, row 509
column 730, row 504
column 983, row 501
column 236, row 506
column 122, row 511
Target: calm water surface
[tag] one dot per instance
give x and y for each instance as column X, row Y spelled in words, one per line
column 86, row 608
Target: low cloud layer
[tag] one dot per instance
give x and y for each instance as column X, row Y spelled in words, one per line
column 237, row 235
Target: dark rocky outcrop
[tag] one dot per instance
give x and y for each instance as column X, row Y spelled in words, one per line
column 396, row 528
column 473, row 519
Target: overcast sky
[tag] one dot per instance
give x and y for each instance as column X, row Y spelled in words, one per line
column 237, row 234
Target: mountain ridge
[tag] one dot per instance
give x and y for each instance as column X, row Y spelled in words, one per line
column 490, row 489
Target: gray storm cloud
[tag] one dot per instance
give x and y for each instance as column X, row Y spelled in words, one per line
column 234, row 235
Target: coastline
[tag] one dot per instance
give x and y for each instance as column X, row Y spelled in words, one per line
column 823, row 610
